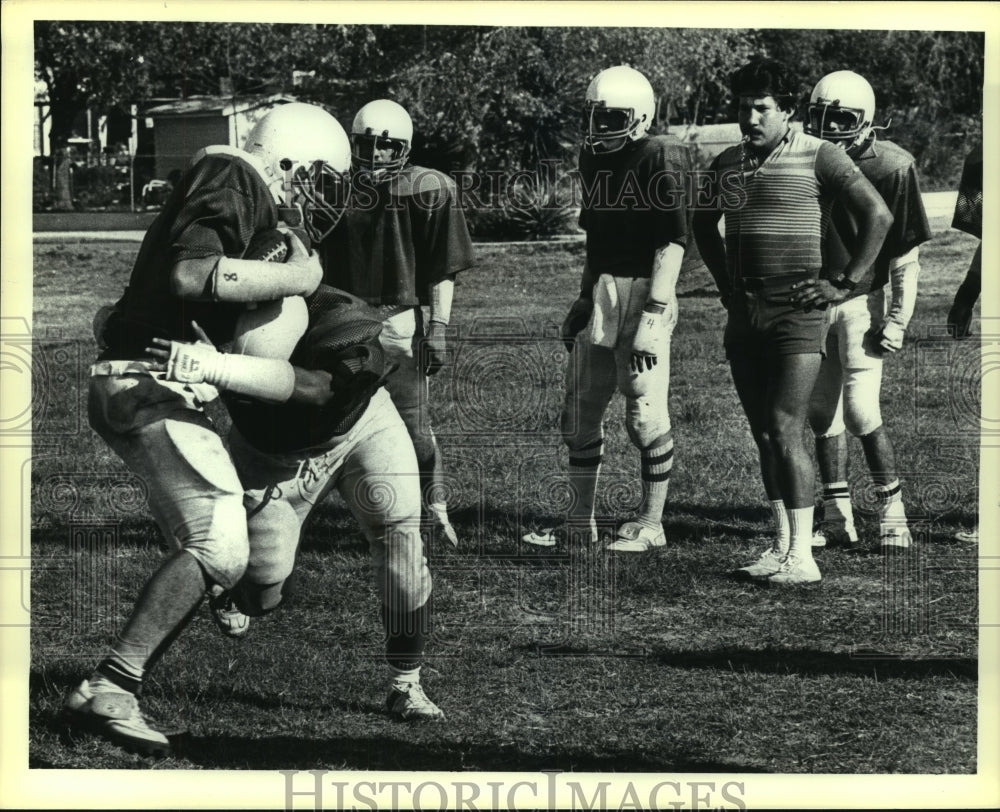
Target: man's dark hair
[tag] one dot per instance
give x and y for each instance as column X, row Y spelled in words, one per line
column 765, row 77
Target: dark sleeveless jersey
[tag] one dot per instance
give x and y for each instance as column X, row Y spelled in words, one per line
column 398, row 238
column 892, row 172
column 633, row 203
column 215, row 210
column 777, row 210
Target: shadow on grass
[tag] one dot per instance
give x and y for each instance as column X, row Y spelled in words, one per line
column 806, row 662
column 388, row 753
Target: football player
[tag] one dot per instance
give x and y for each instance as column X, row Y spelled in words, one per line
column 968, row 217
column 620, row 326
column 870, row 323
column 330, row 424
column 775, row 188
column 399, row 246
column 190, row 266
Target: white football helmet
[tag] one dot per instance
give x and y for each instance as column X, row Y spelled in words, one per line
column 381, row 136
column 841, row 108
column 304, row 148
column 620, row 107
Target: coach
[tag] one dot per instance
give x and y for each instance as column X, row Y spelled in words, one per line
column 776, row 188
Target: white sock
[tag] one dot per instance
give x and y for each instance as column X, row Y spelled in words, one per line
column 782, row 534
column 837, row 504
column 403, row 679
column 800, row 522
column 892, row 514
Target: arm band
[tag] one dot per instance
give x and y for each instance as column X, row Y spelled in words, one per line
column 441, row 296
column 904, row 292
column 252, row 280
column 264, row 378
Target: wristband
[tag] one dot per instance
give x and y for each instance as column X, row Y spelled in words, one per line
column 843, row 283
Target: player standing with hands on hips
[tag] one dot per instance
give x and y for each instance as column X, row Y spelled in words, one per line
column 775, row 189
column 191, row 267
column 399, row 246
column 869, row 324
column 619, row 329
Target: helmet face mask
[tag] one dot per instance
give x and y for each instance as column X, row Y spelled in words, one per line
column 306, row 155
column 619, row 110
column 841, row 109
column 381, row 136
column 320, row 194
column 607, row 129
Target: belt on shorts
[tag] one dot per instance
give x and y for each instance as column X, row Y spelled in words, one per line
column 104, row 369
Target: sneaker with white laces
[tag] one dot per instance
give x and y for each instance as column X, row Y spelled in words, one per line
column 968, row 536
column 795, row 570
column 115, row 716
column 768, row 563
column 230, row 620
column 572, row 533
column 834, row 534
column 407, row 701
column 633, row 537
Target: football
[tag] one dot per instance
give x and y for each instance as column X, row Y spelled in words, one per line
column 270, row 245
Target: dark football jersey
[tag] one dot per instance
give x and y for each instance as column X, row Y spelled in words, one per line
column 398, row 238
column 300, row 427
column 633, row 203
column 215, row 210
column 969, row 205
column 776, row 211
column 892, row 172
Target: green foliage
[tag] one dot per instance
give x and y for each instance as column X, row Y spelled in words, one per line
column 506, row 98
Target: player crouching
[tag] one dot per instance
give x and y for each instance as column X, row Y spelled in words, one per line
column 302, row 427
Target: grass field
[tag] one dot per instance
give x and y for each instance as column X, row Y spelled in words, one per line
column 541, row 659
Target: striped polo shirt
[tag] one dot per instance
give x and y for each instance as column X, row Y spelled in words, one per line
column 777, row 210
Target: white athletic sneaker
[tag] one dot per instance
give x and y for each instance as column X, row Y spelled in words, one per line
column 230, row 620
column 115, row 716
column 407, row 701
column 794, row 571
column 633, row 537
column 968, row 536
column 582, row 533
column 768, row 563
column 835, row 534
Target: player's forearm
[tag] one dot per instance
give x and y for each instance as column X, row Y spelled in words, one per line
column 224, row 279
column 441, row 295
column 666, row 269
column 874, row 221
column 712, row 248
column 904, row 273
column 587, row 280
column 968, row 292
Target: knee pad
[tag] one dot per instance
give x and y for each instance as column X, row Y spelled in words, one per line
column 404, row 579
column 221, row 547
column 646, row 421
column 862, row 411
